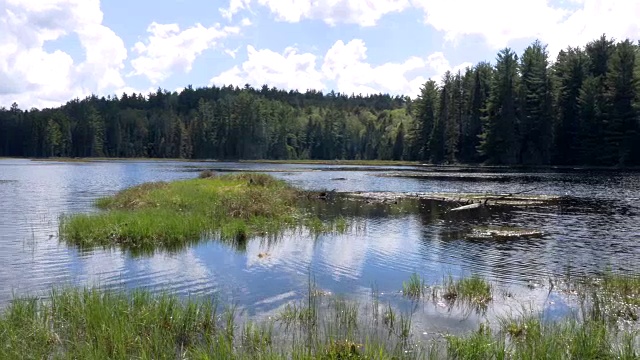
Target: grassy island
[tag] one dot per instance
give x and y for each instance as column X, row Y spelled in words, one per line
column 171, row 214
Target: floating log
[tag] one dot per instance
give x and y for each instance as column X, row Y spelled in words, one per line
column 468, row 207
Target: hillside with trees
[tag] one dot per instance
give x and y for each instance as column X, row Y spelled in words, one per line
column 581, row 109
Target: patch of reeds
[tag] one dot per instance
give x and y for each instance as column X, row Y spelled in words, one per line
column 92, row 323
column 414, row 287
column 604, row 326
column 473, row 290
column 97, row 324
column 168, row 215
column 531, row 338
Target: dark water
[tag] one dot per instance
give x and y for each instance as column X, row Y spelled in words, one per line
column 597, row 225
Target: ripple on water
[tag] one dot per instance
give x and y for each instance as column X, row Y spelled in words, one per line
column 598, row 225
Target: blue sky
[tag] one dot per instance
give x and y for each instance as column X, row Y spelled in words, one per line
column 54, row 50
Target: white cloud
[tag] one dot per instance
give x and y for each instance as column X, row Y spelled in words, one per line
column 332, row 12
column 232, row 53
column 616, row 18
column 234, row 7
column 32, row 76
column 344, row 63
column 168, row 50
column 290, row 70
column 498, row 21
column 501, row 21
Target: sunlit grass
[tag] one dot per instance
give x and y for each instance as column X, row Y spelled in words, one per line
column 414, row 287
column 169, row 215
column 473, row 290
column 89, row 324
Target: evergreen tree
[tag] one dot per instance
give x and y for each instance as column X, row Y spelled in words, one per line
column 535, row 97
column 498, row 142
column 570, row 72
column 622, row 85
column 398, row 146
column 425, row 107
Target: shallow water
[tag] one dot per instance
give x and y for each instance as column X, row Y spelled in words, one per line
column 596, row 225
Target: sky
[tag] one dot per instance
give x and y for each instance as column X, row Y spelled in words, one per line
column 52, row 51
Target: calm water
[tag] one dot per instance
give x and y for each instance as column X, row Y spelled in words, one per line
column 598, row 224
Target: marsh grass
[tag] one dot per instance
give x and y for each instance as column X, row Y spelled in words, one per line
column 600, row 328
column 531, row 338
column 170, row 215
column 89, row 324
column 414, row 287
column 623, row 287
column 473, row 290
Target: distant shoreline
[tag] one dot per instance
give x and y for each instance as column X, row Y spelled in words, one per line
column 342, row 162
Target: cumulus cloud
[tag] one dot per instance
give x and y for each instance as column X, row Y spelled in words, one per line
column 33, row 76
column 168, row 49
column 500, row 22
column 332, row 12
column 616, row 18
column 344, row 63
column 234, row 7
column 290, row 70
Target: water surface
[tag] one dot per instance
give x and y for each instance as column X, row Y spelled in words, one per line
column 595, row 226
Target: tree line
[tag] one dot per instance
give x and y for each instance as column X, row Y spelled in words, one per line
column 584, row 109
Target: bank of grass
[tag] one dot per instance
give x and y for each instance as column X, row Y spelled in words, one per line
column 172, row 214
column 97, row 324
column 531, row 338
column 604, row 326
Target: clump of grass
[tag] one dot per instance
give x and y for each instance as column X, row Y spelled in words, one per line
column 90, row 324
column 414, row 287
column 206, row 174
column 474, row 290
column 479, row 345
column 168, row 215
column 625, row 287
column 531, row 338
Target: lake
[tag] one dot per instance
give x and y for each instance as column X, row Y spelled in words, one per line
column 595, row 226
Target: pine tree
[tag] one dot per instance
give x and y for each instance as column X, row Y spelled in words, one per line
column 398, row 146
column 425, row 107
column 454, row 116
column 535, row 98
column 570, row 72
column 622, row 85
column 498, row 141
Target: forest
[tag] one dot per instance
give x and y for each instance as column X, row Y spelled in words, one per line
column 581, row 109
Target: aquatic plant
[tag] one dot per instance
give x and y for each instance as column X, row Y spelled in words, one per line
column 414, row 287
column 473, row 290
column 93, row 323
column 172, row 214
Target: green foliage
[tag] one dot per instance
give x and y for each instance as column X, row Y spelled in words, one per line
column 499, row 143
column 414, row 287
column 583, row 109
column 170, row 215
column 473, row 290
column 536, row 118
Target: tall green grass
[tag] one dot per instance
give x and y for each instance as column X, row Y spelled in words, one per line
column 414, row 287
column 170, row 215
column 95, row 324
column 473, row 290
